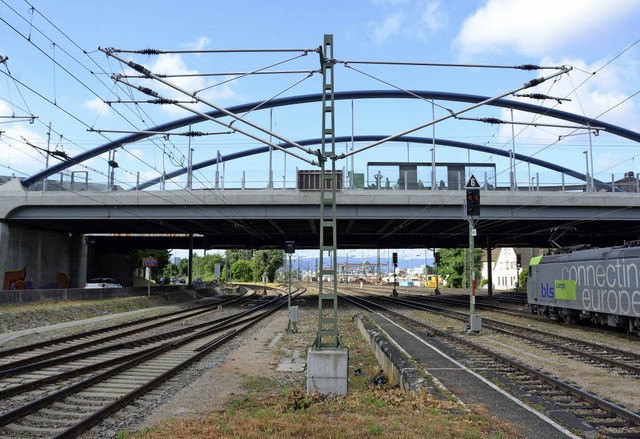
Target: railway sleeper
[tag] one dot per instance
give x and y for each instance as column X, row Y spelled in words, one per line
column 33, row 431
column 37, row 418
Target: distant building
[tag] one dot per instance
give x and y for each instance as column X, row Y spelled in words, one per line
column 507, row 264
column 629, row 183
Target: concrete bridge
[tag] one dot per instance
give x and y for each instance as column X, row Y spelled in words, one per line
column 92, row 231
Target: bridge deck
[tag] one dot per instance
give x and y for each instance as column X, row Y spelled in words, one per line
column 366, row 218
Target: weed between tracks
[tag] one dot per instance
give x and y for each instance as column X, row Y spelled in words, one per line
column 273, row 409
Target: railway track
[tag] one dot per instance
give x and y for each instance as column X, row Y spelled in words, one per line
column 66, row 398
column 625, row 362
column 463, row 302
column 567, row 404
column 75, row 342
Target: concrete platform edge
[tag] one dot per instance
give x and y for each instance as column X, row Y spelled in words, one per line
column 394, row 364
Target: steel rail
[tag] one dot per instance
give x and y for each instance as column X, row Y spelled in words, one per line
column 33, row 406
column 494, row 325
column 121, row 402
column 40, row 358
column 621, row 412
column 64, row 339
column 47, row 360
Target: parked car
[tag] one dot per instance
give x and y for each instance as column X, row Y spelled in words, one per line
column 102, row 282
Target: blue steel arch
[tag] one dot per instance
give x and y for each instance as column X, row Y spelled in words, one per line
column 346, row 95
column 375, row 138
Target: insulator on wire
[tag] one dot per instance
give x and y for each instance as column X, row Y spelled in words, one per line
column 493, row 120
column 541, row 97
column 162, row 101
column 149, row 51
column 59, row 154
column 148, row 91
column 139, row 68
column 528, row 67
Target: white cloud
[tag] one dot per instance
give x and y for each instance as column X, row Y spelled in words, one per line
column 187, row 80
column 138, row 153
column 411, row 19
column 434, row 17
column 96, row 104
column 604, row 96
column 173, row 64
column 200, row 44
column 148, row 175
column 389, row 27
column 535, row 27
column 16, row 153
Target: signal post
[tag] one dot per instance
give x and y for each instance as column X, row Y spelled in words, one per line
column 473, row 210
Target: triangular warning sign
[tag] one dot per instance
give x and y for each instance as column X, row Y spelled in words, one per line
column 472, row 183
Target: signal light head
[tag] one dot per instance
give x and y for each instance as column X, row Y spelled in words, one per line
column 473, row 202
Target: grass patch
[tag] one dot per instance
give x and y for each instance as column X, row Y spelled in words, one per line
column 299, row 415
column 272, row 410
column 127, row 303
column 17, row 317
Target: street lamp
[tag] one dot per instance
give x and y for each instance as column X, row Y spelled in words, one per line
column 425, row 267
column 586, row 180
column 395, row 265
column 290, row 248
column 591, row 155
column 511, row 171
column 346, row 271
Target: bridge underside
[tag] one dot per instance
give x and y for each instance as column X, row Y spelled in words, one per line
column 369, row 227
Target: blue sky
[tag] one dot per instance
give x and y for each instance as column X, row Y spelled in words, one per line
column 71, row 94
column 55, row 72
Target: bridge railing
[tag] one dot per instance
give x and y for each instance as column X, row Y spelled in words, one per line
column 562, row 183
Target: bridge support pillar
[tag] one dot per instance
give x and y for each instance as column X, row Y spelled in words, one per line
column 78, row 257
column 44, row 254
column 4, row 250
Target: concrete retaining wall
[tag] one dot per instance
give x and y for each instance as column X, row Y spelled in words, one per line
column 395, row 365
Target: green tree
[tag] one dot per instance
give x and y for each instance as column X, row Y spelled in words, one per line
column 241, row 271
column 171, row 270
column 183, row 267
column 204, row 266
column 275, row 260
column 522, row 279
column 235, row 255
column 208, row 265
column 453, row 266
column 162, row 256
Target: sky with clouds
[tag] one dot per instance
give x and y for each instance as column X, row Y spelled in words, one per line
column 56, row 73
